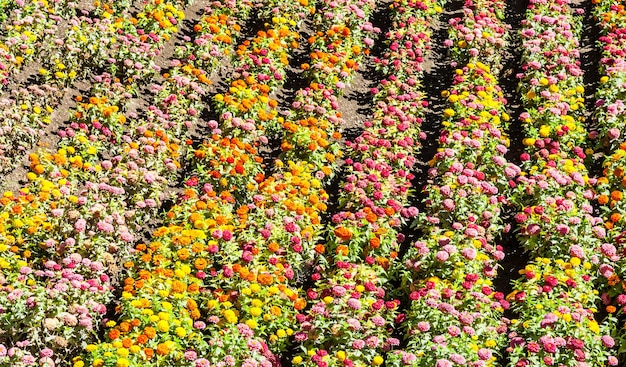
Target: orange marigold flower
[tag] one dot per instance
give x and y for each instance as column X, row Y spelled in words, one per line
column 343, row 233
column 299, row 304
column 142, row 339
column 124, row 326
column 275, row 310
column 150, row 332
column 615, row 217
column 617, row 195
column 178, row 287
column 603, row 199
column 265, row 279
column 375, row 242
column 114, row 334
column 273, row 247
column 200, row 263
column 193, row 288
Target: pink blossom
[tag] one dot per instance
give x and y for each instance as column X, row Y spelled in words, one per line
column 448, row 204
column 354, row 303
column 442, row 256
column 484, row 354
column 423, row 326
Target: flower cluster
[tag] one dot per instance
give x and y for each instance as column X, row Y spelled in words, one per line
column 30, row 30
column 115, row 41
column 480, row 35
column 25, row 115
column 216, row 33
column 610, row 109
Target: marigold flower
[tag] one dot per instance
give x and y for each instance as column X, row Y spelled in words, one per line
column 343, row 233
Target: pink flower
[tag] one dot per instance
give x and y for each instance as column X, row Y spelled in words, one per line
column 534, row 347
column 606, row 270
column 550, row 347
column 80, row 225
column 378, row 321
column 423, row 326
column 548, row 319
column 576, row 251
column 614, row 133
column 454, row 330
column 358, row 344
column 448, row 204
column 469, row 253
column 149, row 177
column 608, row 341
column 608, row 249
column 372, row 341
column 562, row 229
column 442, row 256
column 484, row 354
column 354, row 304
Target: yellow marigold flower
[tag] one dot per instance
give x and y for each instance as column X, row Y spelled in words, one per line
column 163, row 326
column 255, row 311
column 252, row 324
column 91, row 347
column 230, row 316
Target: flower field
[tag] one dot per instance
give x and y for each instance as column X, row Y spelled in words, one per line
column 313, row 183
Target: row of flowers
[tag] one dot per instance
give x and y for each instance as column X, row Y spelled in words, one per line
column 68, row 231
column 455, row 314
column 555, row 299
column 611, row 17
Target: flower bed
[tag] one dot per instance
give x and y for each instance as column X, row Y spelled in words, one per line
column 146, row 234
